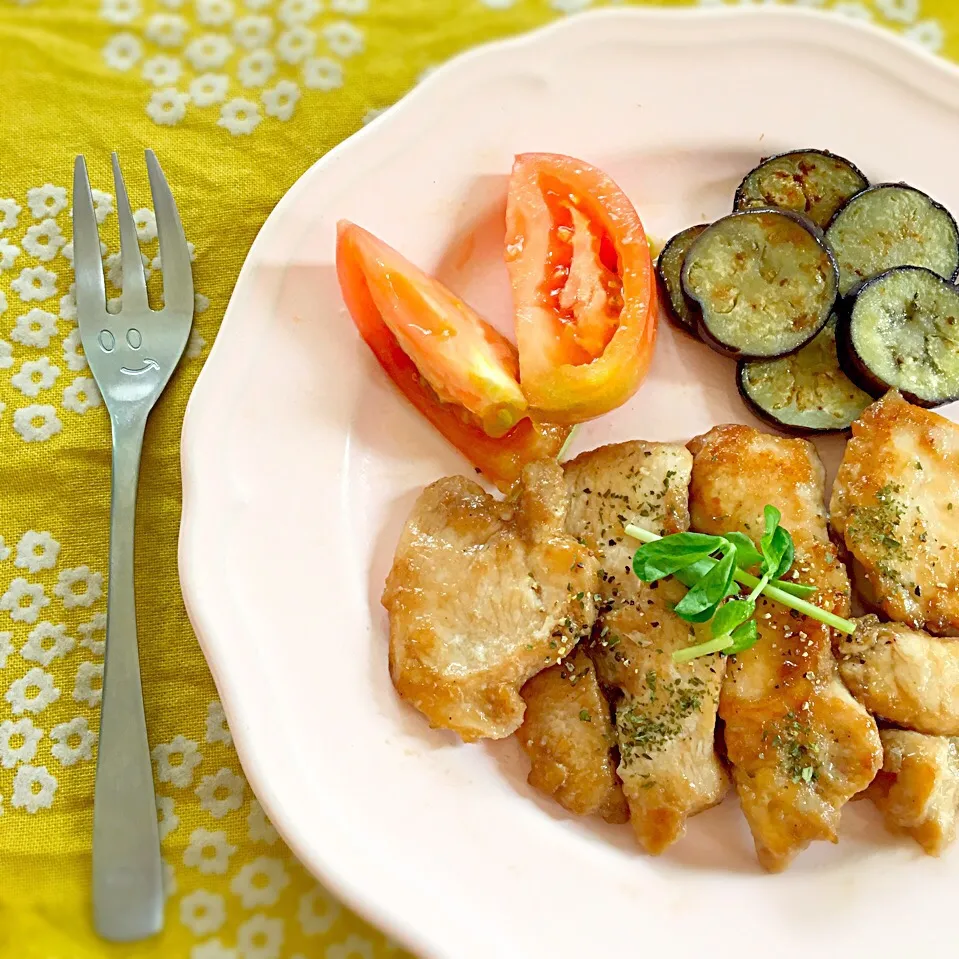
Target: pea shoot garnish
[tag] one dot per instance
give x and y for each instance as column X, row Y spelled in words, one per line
column 714, row 568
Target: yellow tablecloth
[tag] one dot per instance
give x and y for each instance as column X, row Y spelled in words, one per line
column 238, row 98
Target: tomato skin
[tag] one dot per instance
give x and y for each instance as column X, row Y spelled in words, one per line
column 500, row 459
column 567, row 387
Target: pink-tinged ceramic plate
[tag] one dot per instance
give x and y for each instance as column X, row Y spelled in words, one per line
column 301, row 462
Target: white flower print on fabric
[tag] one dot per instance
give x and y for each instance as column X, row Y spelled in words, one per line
column 259, row 883
column 120, row 11
column 169, row 880
column 208, row 51
column 114, row 303
column 35, row 328
column 343, row 38
column 167, row 819
column 253, row 31
column 928, row 34
column 73, row 351
column 295, row 44
column 201, row 303
column 102, row 204
column 195, row 344
column 202, row 912
column 82, row 395
column 87, row 630
column 33, row 788
column 352, row 947
column 322, row 73
column 6, row 355
column 162, row 70
column 167, row 107
column 43, row 239
column 6, row 647
column 73, row 741
column 905, row 11
column 27, row 736
column 8, row 253
column 371, row 115
column 216, row 727
column 35, row 283
column 145, row 221
column 20, row 590
column 46, row 200
column 212, row 949
column 84, row 690
column 256, row 68
column 280, row 101
column 156, row 263
column 46, row 643
column 214, row 13
column 21, row 695
column 122, row 51
column 82, row 576
column 259, row 827
column 179, row 773
column 569, row 6
column 220, row 793
column 68, row 302
column 239, row 116
column 166, row 29
column 209, row 852
column 36, row 551
column 4, row 550
column 317, row 912
column 34, row 376
column 114, row 269
column 9, row 214
column 293, row 12
column 361, row 6
column 205, row 90
column 260, row 937
column 36, row 424
column 852, row 9
column 3, row 303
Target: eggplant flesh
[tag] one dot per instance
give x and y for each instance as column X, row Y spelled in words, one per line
column 669, row 268
column 890, row 225
column 806, row 392
column 902, row 332
column 812, row 182
column 764, row 281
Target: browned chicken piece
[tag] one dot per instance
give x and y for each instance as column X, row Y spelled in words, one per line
column 917, row 790
column 799, row 744
column 895, row 503
column 903, row 675
column 482, row 596
column 568, row 735
column 665, row 714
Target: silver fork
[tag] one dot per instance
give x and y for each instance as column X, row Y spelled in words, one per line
column 131, row 355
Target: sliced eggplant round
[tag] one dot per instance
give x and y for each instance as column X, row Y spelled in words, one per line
column 890, row 225
column 812, row 182
column 806, row 392
column 902, row 332
column 669, row 268
column 764, row 281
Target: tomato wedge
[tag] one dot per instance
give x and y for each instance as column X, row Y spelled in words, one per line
column 455, row 368
column 583, row 287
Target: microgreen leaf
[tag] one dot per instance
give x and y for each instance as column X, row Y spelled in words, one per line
column 710, row 590
column 776, row 545
column 730, row 615
column 743, row 637
column 771, row 516
column 747, row 555
column 654, row 561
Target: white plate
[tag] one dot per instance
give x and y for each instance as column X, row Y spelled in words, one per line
column 300, row 463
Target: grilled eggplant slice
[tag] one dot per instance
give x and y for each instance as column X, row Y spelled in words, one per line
column 803, row 393
column 890, row 225
column 764, row 281
column 669, row 268
column 902, row 332
column 812, row 182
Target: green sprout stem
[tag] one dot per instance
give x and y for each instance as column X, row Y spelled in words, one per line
column 769, row 590
column 716, row 645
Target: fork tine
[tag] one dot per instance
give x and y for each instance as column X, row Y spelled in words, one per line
column 87, row 266
column 174, row 253
column 134, row 282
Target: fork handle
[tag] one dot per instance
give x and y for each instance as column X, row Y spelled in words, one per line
column 128, row 896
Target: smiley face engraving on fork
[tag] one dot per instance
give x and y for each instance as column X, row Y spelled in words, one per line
column 134, row 340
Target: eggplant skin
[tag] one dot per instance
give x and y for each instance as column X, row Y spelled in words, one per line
column 922, row 294
column 680, row 308
column 881, row 247
column 768, row 336
column 812, row 182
